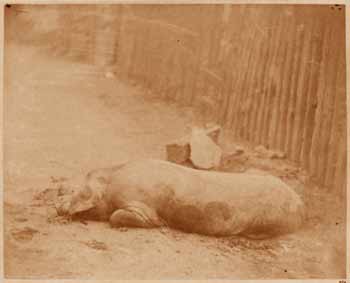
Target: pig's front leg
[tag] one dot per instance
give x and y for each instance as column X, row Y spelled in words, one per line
column 135, row 214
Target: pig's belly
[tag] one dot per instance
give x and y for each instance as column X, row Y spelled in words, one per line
column 202, row 201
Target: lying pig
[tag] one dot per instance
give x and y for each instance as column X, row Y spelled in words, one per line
column 153, row 193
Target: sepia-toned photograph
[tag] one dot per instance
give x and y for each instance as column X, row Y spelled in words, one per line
column 173, row 141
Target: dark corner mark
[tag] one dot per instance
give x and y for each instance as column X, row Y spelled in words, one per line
column 336, row 6
column 8, row 6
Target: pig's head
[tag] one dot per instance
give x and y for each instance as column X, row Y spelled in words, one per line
column 88, row 198
column 83, row 200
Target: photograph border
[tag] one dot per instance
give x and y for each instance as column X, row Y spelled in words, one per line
column 260, row 2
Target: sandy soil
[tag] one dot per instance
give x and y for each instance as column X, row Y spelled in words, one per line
column 64, row 118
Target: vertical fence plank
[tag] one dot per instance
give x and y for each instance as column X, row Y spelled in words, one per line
column 284, row 90
column 321, row 110
column 250, row 103
column 300, row 36
column 329, row 108
column 266, row 61
column 302, row 93
column 234, row 103
column 239, row 112
column 338, row 130
column 271, row 82
column 312, row 96
column 260, row 37
column 236, row 44
column 257, row 88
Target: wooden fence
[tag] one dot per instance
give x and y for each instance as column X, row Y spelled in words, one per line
column 272, row 74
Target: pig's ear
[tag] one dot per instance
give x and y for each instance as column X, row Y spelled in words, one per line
column 81, row 206
column 102, row 180
column 82, row 201
column 86, row 193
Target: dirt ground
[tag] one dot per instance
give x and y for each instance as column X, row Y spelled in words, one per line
column 64, row 118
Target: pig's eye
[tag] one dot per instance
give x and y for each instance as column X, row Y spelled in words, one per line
column 102, row 180
column 86, row 193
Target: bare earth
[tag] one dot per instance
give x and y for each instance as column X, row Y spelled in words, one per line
column 64, row 118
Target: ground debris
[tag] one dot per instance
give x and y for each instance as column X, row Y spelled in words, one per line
column 234, row 162
column 262, row 152
column 24, row 234
column 97, row 245
column 205, row 154
column 56, row 219
column 21, row 219
column 123, row 229
column 57, row 179
column 46, row 195
column 179, row 151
